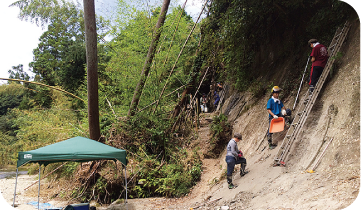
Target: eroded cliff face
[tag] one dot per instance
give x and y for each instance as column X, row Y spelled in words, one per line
column 335, row 115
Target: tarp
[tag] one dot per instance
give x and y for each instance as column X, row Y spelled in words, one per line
column 77, row 149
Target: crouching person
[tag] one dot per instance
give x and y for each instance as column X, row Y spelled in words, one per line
column 233, row 157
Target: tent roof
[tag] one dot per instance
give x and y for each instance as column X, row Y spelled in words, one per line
column 77, row 149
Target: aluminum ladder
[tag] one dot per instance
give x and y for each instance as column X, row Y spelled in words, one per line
column 307, row 104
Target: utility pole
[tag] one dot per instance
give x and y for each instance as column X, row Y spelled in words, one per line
column 92, row 68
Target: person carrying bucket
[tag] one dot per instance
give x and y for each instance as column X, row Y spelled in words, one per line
column 275, row 109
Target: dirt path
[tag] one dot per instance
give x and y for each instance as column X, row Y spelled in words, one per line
column 7, row 187
column 336, row 181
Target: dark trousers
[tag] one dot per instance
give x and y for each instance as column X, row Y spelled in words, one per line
column 316, row 72
column 231, row 162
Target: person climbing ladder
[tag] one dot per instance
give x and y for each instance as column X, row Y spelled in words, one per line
column 319, row 57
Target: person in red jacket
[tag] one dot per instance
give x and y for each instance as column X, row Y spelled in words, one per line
column 319, row 57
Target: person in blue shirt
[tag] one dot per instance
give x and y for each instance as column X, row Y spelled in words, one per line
column 216, row 100
column 275, row 109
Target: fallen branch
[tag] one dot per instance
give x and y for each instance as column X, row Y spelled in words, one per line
column 37, row 83
column 46, row 175
column 319, row 159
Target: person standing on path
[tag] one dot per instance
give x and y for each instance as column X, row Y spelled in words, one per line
column 319, row 57
column 203, row 100
column 233, row 157
column 216, row 99
column 275, row 109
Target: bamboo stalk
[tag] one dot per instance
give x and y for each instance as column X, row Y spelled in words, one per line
column 37, row 83
column 110, row 105
column 180, row 53
column 158, row 100
column 171, row 42
column 200, row 84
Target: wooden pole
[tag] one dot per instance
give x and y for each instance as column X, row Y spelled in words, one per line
column 92, row 68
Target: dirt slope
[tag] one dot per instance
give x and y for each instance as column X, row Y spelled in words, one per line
column 336, row 181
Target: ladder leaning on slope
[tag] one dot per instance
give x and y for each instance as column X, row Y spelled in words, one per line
column 306, row 107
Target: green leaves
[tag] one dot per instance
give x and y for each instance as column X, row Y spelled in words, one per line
column 248, row 37
column 128, row 50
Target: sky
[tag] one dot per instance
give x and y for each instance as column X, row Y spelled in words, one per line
column 19, row 38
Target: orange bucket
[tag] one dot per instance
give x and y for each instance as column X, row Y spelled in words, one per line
column 277, row 125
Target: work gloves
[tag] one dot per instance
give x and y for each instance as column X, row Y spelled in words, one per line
column 275, row 116
column 240, row 154
column 284, row 113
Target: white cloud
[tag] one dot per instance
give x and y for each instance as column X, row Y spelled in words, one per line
column 193, row 8
column 18, row 39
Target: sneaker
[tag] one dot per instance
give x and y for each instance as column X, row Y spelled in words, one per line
column 272, row 146
column 288, row 124
column 269, row 138
column 244, row 173
column 231, row 186
column 310, row 90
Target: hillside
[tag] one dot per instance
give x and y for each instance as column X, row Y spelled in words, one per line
column 175, row 159
column 336, row 181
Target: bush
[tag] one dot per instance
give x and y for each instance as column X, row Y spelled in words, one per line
column 221, row 132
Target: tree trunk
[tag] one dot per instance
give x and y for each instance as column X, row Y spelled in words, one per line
column 92, row 68
column 183, row 100
column 188, row 90
column 149, row 59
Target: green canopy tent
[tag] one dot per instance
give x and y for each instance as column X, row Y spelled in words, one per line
column 78, row 149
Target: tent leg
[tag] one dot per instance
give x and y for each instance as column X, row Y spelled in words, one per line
column 16, row 182
column 126, row 186
column 39, row 188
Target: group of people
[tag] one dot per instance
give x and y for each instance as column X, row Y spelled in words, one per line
column 275, row 109
column 204, row 99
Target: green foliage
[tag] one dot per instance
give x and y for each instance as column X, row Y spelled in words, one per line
column 23, row 130
column 218, row 124
column 124, row 57
column 172, row 179
column 41, row 116
column 238, row 35
column 165, row 167
column 221, row 132
column 59, row 58
column 17, row 72
column 10, row 97
column 148, row 131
